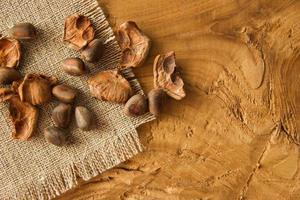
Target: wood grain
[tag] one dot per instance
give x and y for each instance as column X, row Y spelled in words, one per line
column 236, row 134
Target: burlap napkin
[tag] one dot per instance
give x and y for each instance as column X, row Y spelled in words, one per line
column 35, row 169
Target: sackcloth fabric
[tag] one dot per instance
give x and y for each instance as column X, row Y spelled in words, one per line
column 35, row 169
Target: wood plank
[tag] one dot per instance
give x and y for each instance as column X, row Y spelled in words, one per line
column 236, row 134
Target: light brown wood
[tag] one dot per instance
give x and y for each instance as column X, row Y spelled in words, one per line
column 236, row 134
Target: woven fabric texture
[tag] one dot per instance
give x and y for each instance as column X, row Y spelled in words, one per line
column 35, row 169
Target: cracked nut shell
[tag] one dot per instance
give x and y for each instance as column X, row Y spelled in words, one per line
column 61, row 115
column 10, row 52
column 135, row 45
column 36, row 88
column 79, row 31
column 9, row 75
column 167, row 77
column 110, row 86
column 93, row 52
column 64, row 93
column 24, row 116
column 74, row 66
column 136, row 105
column 155, row 101
column 84, row 118
column 23, row 31
column 55, row 135
column 6, row 94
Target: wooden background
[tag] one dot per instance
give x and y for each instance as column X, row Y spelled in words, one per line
column 235, row 135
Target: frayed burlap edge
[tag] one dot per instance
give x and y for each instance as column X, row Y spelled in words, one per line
column 62, row 180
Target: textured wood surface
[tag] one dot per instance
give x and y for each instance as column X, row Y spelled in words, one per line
column 235, row 135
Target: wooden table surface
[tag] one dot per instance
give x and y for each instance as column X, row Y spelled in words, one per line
column 235, row 134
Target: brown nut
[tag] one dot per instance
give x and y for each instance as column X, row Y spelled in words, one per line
column 55, row 135
column 61, row 115
column 166, row 76
column 74, row 66
column 155, row 100
column 84, row 118
column 8, row 75
column 10, row 52
column 64, row 93
column 134, row 44
column 79, row 31
column 111, row 86
column 36, row 88
column 23, row 31
column 24, row 116
column 93, row 52
column 136, row 105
